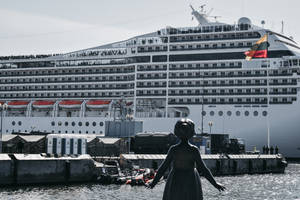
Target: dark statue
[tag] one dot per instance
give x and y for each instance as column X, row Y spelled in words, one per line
column 183, row 181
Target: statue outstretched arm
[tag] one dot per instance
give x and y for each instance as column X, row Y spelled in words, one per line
column 163, row 167
column 202, row 169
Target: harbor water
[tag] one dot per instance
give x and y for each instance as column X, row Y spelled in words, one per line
column 266, row 186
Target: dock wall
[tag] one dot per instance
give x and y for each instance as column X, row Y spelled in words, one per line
column 22, row 169
column 218, row 164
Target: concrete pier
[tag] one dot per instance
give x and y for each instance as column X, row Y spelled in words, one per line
column 219, row 164
column 22, row 169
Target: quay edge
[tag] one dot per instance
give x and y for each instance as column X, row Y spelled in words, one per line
column 27, row 169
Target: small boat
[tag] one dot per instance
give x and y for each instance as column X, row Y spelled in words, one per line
column 43, row 104
column 18, row 104
column 143, row 177
column 98, row 104
column 70, row 104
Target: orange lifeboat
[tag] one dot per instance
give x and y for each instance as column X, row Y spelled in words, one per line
column 18, row 104
column 98, row 103
column 70, row 104
column 43, row 104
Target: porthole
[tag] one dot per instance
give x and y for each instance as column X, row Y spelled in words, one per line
column 86, row 132
column 79, row 132
column 13, row 123
column 53, row 123
column 212, row 113
column 73, row 123
column 79, row 123
column 203, row 113
column 238, row 113
column 101, row 124
column 66, row 123
column 59, row 131
column 94, row 123
column 52, row 131
column 220, row 113
column 255, row 113
column 72, row 131
column 265, row 113
column 246, row 113
column 94, row 132
column 59, row 123
column 19, row 123
column 87, row 123
column 229, row 113
column 101, row 132
column 66, row 131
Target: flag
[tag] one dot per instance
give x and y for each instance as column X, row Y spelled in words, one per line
column 259, row 50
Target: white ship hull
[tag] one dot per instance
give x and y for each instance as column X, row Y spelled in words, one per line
column 283, row 121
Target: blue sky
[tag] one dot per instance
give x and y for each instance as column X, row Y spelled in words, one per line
column 60, row 26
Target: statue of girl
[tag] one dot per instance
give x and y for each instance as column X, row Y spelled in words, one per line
column 183, row 181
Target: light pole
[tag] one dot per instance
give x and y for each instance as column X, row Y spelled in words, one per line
column 2, row 108
column 210, row 125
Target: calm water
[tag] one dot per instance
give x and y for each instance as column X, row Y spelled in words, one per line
column 272, row 186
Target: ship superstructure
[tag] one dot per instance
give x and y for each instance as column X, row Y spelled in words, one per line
column 196, row 72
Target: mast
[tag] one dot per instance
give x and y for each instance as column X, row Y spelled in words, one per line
column 201, row 17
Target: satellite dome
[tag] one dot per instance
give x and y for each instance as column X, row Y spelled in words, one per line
column 244, row 20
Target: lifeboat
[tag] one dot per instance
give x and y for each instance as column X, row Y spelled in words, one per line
column 97, row 104
column 70, row 104
column 43, row 104
column 18, row 104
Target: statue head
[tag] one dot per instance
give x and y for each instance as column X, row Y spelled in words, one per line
column 184, row 129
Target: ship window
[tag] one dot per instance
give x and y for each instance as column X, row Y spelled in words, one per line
column 79, row 123
column 13, row 123
column 264, row 113
column 19, row 123
column 66, row 123
column 229, row 113
column 203, row 113
column 212, row 113
column 238, row 113
column 246, row 113
column 101, row 124
column 94, row 124
column 53, row 123
column 255, row 113
column 220, row 113
column 87, row 123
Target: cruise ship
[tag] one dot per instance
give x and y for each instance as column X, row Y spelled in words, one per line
column 195, row 72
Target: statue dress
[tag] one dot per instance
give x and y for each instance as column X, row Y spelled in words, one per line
column 183, row 182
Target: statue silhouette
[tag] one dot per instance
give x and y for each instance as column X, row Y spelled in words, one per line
column 183, row 182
